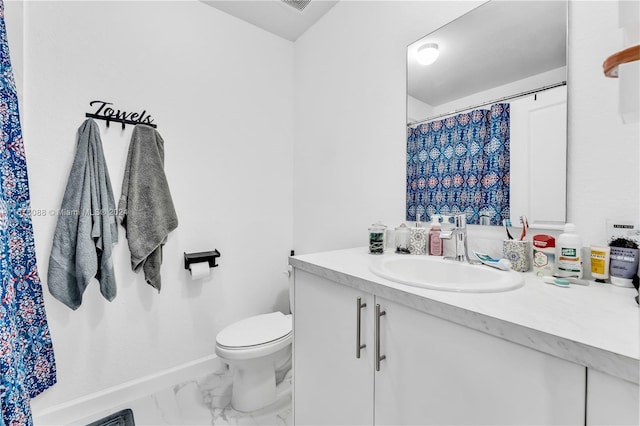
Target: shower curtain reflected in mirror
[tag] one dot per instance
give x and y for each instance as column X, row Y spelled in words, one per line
column 460, row 164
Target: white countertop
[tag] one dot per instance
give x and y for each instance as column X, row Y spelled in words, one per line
column 597, row 326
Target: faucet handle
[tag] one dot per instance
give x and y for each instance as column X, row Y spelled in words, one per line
column 455, row 221
column 460, row 220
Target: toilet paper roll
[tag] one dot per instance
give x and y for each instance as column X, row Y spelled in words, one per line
column 199, row 270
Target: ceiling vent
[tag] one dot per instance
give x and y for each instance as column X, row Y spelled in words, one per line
column 297, row 4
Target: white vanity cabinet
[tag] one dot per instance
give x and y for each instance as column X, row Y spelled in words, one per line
column 331, row 385
column 439, row 372
column 611, row 401
column 432, row 372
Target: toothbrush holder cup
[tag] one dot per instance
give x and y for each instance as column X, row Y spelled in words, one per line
column 518, row 252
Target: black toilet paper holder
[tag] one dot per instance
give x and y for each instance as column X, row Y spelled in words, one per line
column 209, row 256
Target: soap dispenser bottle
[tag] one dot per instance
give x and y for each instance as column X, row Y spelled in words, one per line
column 435, row 242
column 418, row 238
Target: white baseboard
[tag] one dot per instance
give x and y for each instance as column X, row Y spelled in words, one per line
column 102, row 401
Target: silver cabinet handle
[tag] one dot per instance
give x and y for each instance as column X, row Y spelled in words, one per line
column 378, row 356
column 359, row 307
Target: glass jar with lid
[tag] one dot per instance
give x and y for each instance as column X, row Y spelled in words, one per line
column 377, row 238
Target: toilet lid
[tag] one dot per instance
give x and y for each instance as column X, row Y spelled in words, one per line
column 256, row 330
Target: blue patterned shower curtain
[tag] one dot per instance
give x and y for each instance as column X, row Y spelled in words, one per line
column 460, row 165
column 27, row 365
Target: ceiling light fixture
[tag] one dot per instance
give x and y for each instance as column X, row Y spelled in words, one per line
column 427, row 53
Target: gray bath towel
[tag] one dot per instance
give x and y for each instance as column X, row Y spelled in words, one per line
column 86, row 228
column 146, row 209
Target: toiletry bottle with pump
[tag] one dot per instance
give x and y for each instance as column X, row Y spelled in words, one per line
column 418, row 238
column 435, row 242
column 568, row 257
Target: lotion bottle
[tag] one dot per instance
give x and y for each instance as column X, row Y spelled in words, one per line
column 435, row 242
column 568, row 246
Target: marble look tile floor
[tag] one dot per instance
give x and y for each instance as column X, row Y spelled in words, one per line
column 207, row 401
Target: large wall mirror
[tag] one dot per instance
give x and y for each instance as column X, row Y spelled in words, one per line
column 487, row 116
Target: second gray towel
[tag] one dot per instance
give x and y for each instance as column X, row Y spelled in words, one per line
column 146, row 208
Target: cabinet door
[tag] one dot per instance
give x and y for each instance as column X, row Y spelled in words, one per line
column 331, row 385
column 611, row 401
column 438, row 372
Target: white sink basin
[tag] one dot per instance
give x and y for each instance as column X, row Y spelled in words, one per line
column 447, row 275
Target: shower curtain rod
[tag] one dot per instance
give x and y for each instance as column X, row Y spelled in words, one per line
column 506, row 98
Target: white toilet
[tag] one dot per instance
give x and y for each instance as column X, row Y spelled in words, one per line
column 255, row 348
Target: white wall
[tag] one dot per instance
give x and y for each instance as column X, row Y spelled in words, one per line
column 350, row 103
column 221, row 93
column 349, row 163
column 603, row 155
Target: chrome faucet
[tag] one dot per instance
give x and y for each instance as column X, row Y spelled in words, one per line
column 458, row 234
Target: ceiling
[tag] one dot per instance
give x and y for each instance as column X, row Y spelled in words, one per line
column 495, row 44
column 534, row 32
column 275, row 16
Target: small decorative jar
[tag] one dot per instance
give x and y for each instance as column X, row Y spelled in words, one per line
column 377, row 238
column 402, row 239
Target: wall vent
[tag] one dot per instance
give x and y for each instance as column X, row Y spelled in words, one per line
column 297, row 4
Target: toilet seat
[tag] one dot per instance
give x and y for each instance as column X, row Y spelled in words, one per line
column 256, row 336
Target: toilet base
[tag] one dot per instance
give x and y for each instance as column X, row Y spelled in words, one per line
column 253, row 389
column 254, row 380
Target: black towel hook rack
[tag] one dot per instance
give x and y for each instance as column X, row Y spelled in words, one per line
column 109, row 114
column 119, row 120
